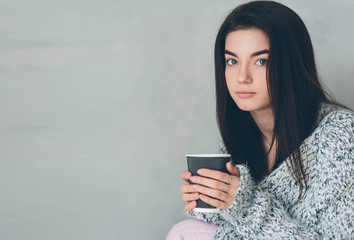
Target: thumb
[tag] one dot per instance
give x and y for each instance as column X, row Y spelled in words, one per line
column 232, row 169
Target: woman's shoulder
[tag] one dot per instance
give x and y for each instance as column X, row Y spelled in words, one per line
column 330, row 147
column 331, row 143
column 333, row 119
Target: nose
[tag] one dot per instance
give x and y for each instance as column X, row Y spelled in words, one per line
column 243, row 75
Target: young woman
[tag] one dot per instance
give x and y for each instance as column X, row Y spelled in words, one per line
column 292, row 170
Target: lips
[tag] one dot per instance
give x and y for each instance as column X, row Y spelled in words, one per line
column 245, row 94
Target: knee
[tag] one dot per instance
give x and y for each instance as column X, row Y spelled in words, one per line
column 177, row 231
column 190, row 229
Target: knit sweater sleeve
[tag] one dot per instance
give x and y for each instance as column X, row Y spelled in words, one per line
column 327, row 208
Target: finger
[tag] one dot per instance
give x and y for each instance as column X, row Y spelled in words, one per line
column 187, row 188
column 190, row 206
column 188, row 197
column 221, row 176
column 214, row 202
column 211, row 183
column 185, row 175
column 217, row 194
column 232, row 169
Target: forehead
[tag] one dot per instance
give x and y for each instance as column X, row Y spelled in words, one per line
column 247, row 39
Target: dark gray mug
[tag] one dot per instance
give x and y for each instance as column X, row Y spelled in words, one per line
column 209, row 161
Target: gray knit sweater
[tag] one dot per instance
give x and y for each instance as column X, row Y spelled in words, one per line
column 266, row 211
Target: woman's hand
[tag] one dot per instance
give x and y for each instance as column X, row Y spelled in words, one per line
column 213, row 187
column 189, row 194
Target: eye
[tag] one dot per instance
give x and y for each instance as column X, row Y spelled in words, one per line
column 231, row 62
column 262, row 62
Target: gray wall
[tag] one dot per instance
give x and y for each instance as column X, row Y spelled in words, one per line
column 100, row 100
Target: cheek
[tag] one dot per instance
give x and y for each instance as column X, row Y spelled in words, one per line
column 265, row 92
column 228, row 77
column 262, row 80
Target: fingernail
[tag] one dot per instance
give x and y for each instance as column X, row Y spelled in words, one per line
column 200, row 171
column 195, row 187
column 193, row 179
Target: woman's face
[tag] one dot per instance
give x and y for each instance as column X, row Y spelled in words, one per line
column 246, row 55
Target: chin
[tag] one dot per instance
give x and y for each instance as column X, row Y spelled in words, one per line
column 246, row 107
column 253, row 107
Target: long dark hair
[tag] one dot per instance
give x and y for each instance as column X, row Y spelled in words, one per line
column 294, row 89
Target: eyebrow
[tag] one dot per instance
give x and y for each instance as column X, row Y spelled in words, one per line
column 252, row 55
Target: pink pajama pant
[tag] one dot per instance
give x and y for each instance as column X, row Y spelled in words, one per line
column 192, row 230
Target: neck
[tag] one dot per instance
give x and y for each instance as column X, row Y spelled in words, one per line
column 265, row 122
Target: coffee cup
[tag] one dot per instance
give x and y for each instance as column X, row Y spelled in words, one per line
column 209, row 161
